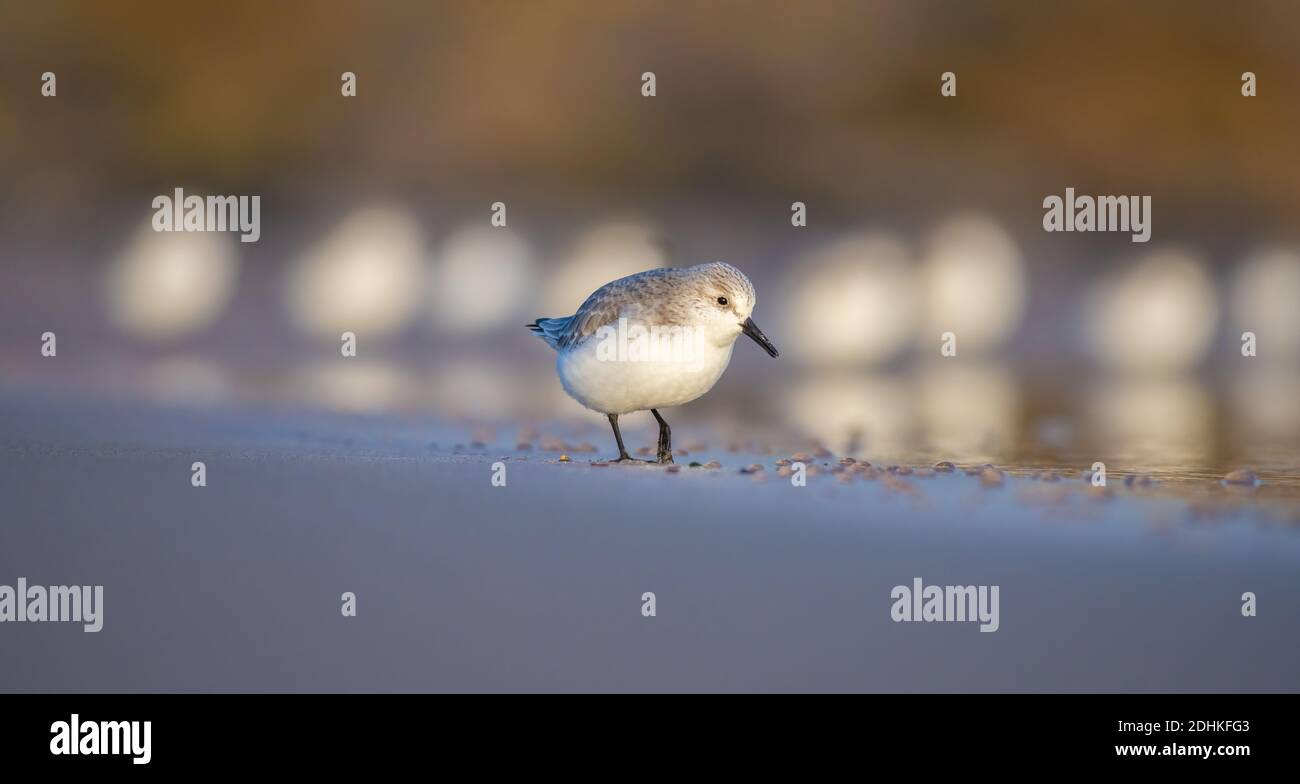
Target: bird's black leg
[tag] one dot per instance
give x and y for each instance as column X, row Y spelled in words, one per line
column 622, row 453
column 665, row 439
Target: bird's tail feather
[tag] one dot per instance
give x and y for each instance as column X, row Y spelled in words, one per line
column 550, row 329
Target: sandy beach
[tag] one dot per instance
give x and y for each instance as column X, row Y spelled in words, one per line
column 538, row 585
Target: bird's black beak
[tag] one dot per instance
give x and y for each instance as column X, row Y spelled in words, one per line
column 751, row 329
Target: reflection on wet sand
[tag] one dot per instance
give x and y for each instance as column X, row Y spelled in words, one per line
column 970, row 410
column 1156, row 422
column 874, row 413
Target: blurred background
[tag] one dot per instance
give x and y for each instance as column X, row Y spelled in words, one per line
column 924, row 213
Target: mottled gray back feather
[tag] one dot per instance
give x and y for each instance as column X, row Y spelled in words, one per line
column 659, row 296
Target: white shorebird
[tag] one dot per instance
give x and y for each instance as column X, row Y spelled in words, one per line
column 681, row 325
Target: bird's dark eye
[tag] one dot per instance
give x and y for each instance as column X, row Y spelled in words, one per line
column 722, row 301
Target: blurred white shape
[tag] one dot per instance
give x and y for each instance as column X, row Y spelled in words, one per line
column 365, row 277
column 1168, row 421
column 167, row 285
column 972, row 284
column 1266, row 300
column 843, row 408
column 480, row 280
column 1159, row 315
column 354, row 386
column 851, row 303
column 970, row 411
column 607, row 252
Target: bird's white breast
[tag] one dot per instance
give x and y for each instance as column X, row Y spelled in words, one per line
column 613, row 386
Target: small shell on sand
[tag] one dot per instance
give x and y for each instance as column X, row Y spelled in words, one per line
column 713, row 464
column 945, row 466
column 782, row 462
column 752, row 468
column 564, row 458
column 847, row 461
column 1241, row 476
column 801, row 457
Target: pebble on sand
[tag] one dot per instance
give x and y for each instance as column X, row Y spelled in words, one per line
column 990, row 477
column 945, row 466
column 1242, row 476
column 564, row 458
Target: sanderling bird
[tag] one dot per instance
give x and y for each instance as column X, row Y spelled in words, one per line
column 652, row 340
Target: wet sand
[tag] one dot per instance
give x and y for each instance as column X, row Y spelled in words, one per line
column 759, row 585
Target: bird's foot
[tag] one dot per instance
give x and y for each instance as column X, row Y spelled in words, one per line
column 665, row 457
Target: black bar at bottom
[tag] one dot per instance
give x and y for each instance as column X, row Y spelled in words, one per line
column 377, row 732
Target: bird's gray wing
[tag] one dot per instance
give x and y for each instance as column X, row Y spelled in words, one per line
column 601, row 309
column 620, row 298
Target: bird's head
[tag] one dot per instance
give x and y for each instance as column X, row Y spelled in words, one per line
column 723, row 301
